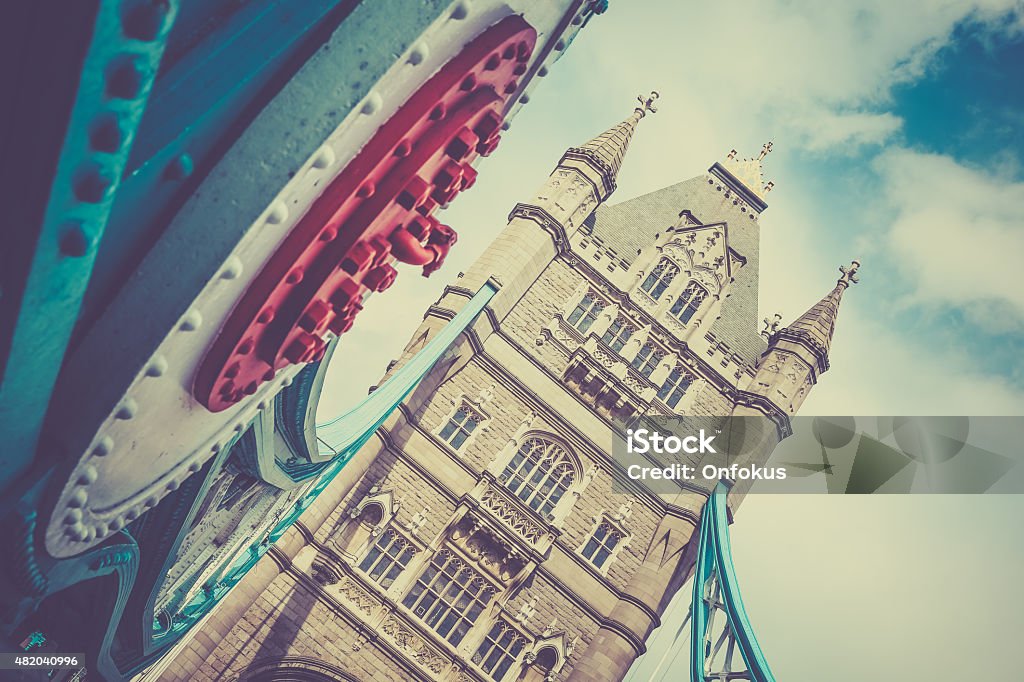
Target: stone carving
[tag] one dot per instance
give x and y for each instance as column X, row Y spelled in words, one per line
column 358, row 596
column 495, row 501
column 605, row 359
column 413, row 645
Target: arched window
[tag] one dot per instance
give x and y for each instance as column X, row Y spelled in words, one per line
column 647, row 360
column 499, row 650
column 659, row 279
column 387, row 558
column 295, row 669
column 675, row 386
column 587, row 310
column 539, row 474
column 540, row 665
column 448, row 596
column 601, row 544
column 460, row 425
column 689, row 301
column 618, row 334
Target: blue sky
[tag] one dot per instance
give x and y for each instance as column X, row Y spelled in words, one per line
column 897, row 130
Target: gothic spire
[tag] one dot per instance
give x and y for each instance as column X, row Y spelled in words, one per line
column 606, row 151
column 814, row 328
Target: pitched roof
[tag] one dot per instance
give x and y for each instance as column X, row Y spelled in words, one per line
column 632, row 225
column 817, row 325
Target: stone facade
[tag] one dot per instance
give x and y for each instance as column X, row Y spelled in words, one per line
column 478, row 536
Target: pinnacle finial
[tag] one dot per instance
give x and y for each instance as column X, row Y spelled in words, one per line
column 849, row 273
column 648, row 104
column 765, row 151
column 771, row 326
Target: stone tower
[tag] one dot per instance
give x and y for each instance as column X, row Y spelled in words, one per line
column 484, row 534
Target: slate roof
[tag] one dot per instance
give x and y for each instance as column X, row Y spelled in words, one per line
column 609, row 148
column 633, row 225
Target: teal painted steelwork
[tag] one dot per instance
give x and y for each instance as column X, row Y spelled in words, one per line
column 344, row 436
column 112, row 83
column 714, row 563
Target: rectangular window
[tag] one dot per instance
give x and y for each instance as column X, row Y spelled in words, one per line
column 387, row 558
column 499, row 650
column 689, row 301
column 660, row 278
column 675, row 386
column 460, row 426
column 586, row 313
column 647, row 360
column 448, row 596
column 618, row 334
column 601, row 544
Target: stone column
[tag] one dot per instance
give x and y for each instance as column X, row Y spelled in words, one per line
column 615, row 647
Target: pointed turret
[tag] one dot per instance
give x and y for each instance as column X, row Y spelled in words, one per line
column 798, row 354
column 605, row 152
column 815, row 327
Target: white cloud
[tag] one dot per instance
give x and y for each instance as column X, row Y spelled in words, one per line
column 956, row 232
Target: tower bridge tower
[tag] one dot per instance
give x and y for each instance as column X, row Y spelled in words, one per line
column 486, row 532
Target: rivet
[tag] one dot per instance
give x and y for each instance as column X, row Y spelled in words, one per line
column 105, row 133
column 73, row 516
column 132, row 514
column 418, row 53
column 232, row 268
column 76, row 532
column 115, row 525
column 461, row 10
column 157, row 366
column 262, row 405
column 128, row 409
column 125, row 78
column 192, row 320
column 150, row 502
column 524, row 99
column 179, row 168
column 266, row 316
column 506, row 125
column 372, row 104
column 91, row 184
column 239, row 427
column 88, row 475
column 78, row 498
column 278, row 213
column 560, row 45
column 89, row 534
column 145, row 20
column 542, row 71
column 324, row 157
column 194, row 467
column 172, row 485
column 104, row 446
column 73, row 241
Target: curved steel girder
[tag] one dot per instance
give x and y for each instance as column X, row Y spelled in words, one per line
column 141, row 393
column 46, row 269
column 716, row 588
column 75, row 579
